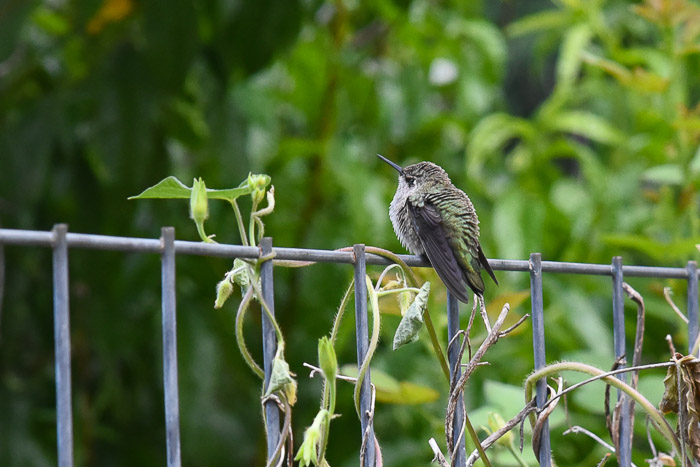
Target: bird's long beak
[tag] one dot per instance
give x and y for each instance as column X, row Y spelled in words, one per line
column 398, row 168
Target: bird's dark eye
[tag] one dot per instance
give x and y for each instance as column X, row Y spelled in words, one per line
column 410, row 180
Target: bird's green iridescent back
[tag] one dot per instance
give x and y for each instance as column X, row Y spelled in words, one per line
column 461, row 226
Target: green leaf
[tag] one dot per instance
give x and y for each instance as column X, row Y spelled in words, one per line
column 168, row 188
column 229, row 194
column 391, row 391
column 172, row 188
column 588, row 125
column 412, row 320
column 281, row 378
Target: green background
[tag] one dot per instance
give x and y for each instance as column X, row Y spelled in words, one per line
column 573, row 126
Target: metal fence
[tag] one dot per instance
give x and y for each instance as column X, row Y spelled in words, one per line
column 60, row 240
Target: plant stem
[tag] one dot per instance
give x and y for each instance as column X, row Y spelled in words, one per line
column 517, row 456
column 435, row 342
column 341, row 311
column 263, row 303
column 239, row 334
column 251, row 224
column 654, row 414
column 372, row 342
column 239, row 221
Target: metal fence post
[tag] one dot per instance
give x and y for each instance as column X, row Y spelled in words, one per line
column 362, row 336
column 272, row 413
column 544, row 456
column 625, row 447
column 693, row 317
column 169, row 324
column 61, row 318
column 453, row 328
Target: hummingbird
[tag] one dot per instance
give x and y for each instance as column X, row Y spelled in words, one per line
column 434, row 218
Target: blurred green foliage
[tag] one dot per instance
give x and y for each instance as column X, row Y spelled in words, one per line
column 573, row 125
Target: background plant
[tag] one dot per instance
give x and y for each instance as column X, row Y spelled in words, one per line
column 574, row 131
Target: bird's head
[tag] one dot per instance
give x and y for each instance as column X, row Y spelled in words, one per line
column 418, row 176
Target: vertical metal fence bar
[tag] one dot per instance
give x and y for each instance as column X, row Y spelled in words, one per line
column 61, row 319
column 625, row 448
column 362, row 336
column 269, row 338
column 693, row 317
column 453, row 328
column 538, row 348
column 169, row 325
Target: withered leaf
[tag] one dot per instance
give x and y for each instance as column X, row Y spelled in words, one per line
column 686, row 372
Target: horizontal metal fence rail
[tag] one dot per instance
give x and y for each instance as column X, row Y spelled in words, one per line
column 60, row 240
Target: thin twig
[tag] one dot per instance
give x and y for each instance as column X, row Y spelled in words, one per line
column 316, row 370
column 370, row 421
column 484, row 314
column 682, row 423
column 513, row 327
column 458, row 388
column 469, row 328
column 671, row 347
column 612, row 422
column 609, row 373
column 669, row 300
column 542, row 416
column 439, row 456
column 652, row 446
column 284, row 407
column 498, row 434
column 638, row 343
column 579, row 429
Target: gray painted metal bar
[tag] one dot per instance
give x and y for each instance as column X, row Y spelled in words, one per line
column 146, row 245
column 693, row 313
column 169, row 324
column 625, row 449
column 362, row 336
column 539, row 349
column 453, row 328
column 269, row 343
column 61, row 319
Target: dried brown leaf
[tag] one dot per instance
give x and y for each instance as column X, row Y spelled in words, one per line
column 689, row 368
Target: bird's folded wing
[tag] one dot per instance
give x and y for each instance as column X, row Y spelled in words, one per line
column 428, row 225
column 485, row 263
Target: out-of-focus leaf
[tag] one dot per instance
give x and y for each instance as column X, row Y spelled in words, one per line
column 545, row 20
column 491, row 134
column 588, row 125
column 515, row 299
column 391, row 391
column 487, row 38
column 507, row 226
column 664, row 252
column 694, row 165
column 412, row 320
column 111, row 11
column 576, row 39
column 666, row 174
column 51, row 21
